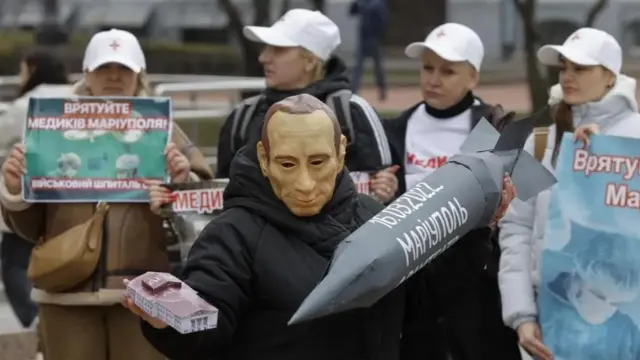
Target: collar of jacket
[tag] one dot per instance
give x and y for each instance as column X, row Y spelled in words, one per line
column 479, row 109
column 396, row 131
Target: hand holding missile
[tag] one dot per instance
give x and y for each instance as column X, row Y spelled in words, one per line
column 508, row 194
column 462, row 195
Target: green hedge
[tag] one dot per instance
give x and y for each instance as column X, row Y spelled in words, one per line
column 162, row 56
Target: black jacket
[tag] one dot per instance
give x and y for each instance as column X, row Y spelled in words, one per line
column 480, row 246
column 369, row 152
column 257, row 262
column 461, row 297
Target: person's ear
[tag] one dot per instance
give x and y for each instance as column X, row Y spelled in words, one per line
column 342, row 152
column 87, row 84
column 610, row 79
column 310, row 62
column 262, row 158
column 474, row 78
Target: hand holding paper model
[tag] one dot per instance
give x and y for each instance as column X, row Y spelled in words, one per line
column 164, row 297
column 460, row 196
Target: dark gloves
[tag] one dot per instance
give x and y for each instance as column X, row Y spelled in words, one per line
column 499, row 119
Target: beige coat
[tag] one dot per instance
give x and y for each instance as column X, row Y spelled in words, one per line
column 134, row 239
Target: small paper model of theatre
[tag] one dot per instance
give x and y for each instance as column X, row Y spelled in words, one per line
column 165, row 297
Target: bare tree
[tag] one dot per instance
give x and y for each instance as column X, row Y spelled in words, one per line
column 595, row 11
column 286, row 5
column 537, row 83
column 50, row 32
column 318, row 4
column 250, row 50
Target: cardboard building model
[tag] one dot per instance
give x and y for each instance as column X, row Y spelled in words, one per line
column 165, row 297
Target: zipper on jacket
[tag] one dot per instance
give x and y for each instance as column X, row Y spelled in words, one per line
column 94, row 277
column 98, row 278
column 102, row 264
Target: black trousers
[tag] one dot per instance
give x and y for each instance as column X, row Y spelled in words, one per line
column 464, row 307
column 369, row 47
column 14, row 259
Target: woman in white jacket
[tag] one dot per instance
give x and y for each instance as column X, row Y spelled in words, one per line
column 591, row 91
column 41, row 75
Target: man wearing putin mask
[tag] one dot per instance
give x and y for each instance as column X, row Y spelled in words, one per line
column 289, row 204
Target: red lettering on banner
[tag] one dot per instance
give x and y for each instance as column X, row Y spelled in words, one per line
column 430, row 163
column 201, row 200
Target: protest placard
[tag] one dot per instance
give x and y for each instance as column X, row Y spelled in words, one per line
column 193, row 206
column 362, row 181
column 92, row 149
column 590, row 262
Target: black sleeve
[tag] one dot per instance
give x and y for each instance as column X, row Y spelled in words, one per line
column 417, row 322
column 394, row 141
column 452, row 274
column 225, row 153
column 458, row 269
column 396, row 138
column 370, row 151
column 219, row 269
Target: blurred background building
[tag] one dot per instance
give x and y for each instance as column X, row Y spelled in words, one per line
column 496, row 21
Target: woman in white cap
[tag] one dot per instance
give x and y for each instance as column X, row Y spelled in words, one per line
column 87, row 321
column 465, row 300
column 592, row 94
column 298, row 58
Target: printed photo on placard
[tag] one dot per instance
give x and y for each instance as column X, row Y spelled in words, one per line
column 95, row 149
column 590, row 263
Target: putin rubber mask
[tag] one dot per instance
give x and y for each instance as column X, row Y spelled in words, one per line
column 301, row 153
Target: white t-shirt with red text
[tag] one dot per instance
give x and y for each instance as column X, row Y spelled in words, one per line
column 431, row 141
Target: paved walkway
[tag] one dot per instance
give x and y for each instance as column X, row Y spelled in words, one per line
column 513, row 97
column 8, row 321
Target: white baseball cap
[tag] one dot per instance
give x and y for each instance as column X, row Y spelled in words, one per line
column 308, row 29
column 114, row 46
column 587, row 47
column 452, row 42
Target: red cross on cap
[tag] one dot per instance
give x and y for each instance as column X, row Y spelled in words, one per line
column 114, row 45
column 441, row 33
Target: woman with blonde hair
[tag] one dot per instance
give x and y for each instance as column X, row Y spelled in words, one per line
column 298, row 58
column 87, row 320
column 591, row 95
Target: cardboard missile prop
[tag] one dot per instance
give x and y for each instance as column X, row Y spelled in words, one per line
column 460, row 196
